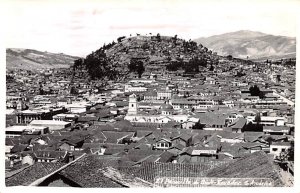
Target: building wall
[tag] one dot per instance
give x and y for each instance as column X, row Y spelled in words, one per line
column 277, row 149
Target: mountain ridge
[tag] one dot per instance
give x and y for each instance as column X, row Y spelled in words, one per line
column 31, row 59
column 253, row 44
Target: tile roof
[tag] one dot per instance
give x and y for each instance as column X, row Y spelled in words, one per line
column 166, row 157
column 138, row 154
column 19, row 148
column 87, row 119
column 252, row 136
column 255, row 165
column 115, row 137
column 211, row 118
column 89, row 167
column 32, row 173
column 240, row 123
column 114, row 148
column 185, row 137
column 149, row 171
column 230, row 135
column 125, row 179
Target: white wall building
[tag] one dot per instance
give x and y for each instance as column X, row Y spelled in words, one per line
column 51, row 124
column 277, row 148
column 129, row 88
column 133, row 105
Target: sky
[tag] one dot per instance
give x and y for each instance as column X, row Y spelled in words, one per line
column 80, row 27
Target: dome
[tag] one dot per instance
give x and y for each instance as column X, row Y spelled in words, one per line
column 166, row 107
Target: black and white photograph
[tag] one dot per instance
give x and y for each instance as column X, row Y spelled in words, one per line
column 149, row 94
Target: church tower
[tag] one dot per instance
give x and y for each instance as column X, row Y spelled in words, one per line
column 133, row 106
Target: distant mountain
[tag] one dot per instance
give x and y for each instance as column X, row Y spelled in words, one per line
column 255, row 45
column 32, row 59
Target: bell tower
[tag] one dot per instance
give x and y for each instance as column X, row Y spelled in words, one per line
column 133, row 106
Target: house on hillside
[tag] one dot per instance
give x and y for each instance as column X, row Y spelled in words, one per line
column 162, row 144
column 238, row 125
column 183, row 139
column 163, row 94
column 72, row 144
column 229, row 137
column 280, row 147
column 276, row 130
column 198, row 154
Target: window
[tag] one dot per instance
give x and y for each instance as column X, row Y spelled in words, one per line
column 132, row 105
column 283, row 150
column 274, row 149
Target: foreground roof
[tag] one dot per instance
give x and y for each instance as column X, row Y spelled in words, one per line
column 255, row 165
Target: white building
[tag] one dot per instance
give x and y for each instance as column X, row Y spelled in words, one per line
column 51, row 124
column 18, row 130
column 149, row 81
column 166, row 115
column 277, row 148
column 129, row 88
column 133, row 105
column 163, row 94
column 268, row 120
column 65, row 117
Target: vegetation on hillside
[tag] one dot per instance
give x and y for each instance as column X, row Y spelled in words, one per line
column 141, row 54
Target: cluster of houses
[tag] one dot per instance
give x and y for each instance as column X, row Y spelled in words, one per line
column 161, row 118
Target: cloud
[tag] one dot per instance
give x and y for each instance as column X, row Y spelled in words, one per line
column 78, row 28
column 158, row 26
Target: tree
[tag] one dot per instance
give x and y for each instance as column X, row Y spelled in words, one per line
column 192, row 66
column 253, row 127
column 174, row 65
column 262, row 95
column 145, row 46
column 120, row 39
column 198, row 125
column 229, row 57
column 41, row 90
column 78, row 63
column 240, row 74
column 269, row 139
column 158, row 37
column 254, row 90
column 73, row 90
column 257, row 118
column 97, row 64
column 291, row 151
column 136, row 66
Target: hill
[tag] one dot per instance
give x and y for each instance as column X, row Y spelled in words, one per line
column 141, row 54
column 32, row 59
column 255, row 45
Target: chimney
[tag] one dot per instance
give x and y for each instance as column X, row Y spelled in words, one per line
column 71, row 156
column 11, row 162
